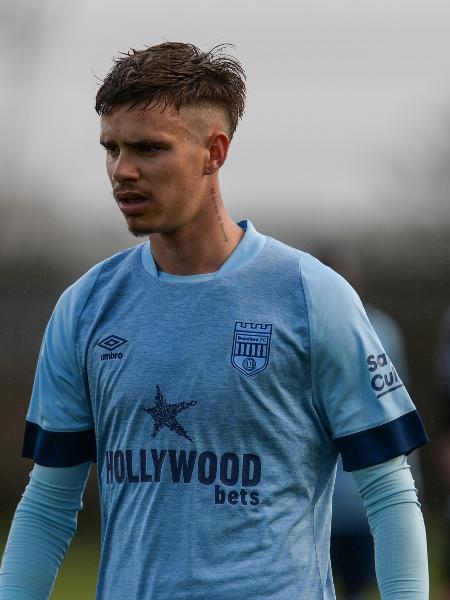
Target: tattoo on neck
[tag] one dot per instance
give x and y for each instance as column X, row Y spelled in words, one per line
column 219, row 218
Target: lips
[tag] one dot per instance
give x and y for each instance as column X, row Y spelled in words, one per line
column 131, row 203
column 129, row 197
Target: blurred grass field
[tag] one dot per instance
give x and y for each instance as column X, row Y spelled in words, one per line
column 77, row 577
column 78, row 574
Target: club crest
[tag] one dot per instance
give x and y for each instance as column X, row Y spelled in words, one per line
column 251, row 347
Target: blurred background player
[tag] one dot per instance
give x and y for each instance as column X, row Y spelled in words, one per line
column 442, row 447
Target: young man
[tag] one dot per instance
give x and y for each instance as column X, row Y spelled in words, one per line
column 214, row 374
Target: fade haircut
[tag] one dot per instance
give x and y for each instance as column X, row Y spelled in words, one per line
column 175, row 74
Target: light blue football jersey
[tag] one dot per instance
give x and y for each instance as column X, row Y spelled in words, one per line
column 215, row 406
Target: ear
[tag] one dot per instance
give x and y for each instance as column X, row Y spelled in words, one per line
column 218, row 144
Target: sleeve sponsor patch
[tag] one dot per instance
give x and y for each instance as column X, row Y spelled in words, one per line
column 384, row 377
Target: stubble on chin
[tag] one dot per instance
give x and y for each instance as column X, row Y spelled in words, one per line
column 138, row 232
column 138, row 229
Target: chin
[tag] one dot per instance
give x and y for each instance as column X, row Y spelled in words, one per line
column 141, row 229
column 138, row 232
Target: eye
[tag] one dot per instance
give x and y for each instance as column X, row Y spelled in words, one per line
column 111, row 148
column 147, row 148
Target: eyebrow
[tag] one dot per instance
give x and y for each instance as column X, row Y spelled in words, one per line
column 138, row 144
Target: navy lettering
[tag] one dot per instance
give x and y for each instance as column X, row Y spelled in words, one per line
column 111, row 355
column 109, row 466
column 211, row 458
column 233, row 497
column 376, row 386
column 158, row 462
column 119, row 466
column 254, row 498
column 219, row 495
column 251, row 462
column 389, row 378
column 132, row 478
column 180, row 465
column 127, row 466
column 382, row 360
column 229, row 463
column 372, row 363
column 143, row 464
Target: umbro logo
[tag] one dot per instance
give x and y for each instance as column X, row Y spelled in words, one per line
column 112, row 342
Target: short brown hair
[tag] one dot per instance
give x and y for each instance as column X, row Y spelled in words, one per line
column 177, row 74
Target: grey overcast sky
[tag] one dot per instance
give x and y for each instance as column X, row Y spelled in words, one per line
column 336, row 90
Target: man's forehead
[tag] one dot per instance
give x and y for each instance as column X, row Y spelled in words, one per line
column 152, row 119
column 162, row 119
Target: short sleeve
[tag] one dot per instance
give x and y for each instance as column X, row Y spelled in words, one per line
column 59, row 428
column 356, row 389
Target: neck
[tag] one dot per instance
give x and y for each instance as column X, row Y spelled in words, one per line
column 201, row 246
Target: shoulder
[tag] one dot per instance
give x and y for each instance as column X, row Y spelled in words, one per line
column 324, row 291
column 282, row 249
column 328, row 295
column 320, row 279
column 336, row 314
column 73, row 300
column 314, row 274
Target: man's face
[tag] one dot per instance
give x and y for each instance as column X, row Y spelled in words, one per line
column 156, row 161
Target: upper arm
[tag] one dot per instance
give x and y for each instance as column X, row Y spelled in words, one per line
column 60, row 429
column 356, row 388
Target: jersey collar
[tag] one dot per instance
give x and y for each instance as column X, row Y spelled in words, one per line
column 248, row 248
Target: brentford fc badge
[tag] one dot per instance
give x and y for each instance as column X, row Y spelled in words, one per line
column 251, row 347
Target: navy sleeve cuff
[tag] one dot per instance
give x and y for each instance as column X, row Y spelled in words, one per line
column 376, row 445
column 58, row 449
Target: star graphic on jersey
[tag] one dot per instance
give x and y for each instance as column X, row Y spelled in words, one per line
column 163, row 414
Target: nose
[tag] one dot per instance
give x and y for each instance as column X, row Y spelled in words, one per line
column 124, row 169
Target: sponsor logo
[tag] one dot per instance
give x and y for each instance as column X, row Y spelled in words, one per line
column 384, row 376
column 151, row 466
column 164, row 415
column 112, row 342
column 111, row 356
column 233, row 477
column 251, row 347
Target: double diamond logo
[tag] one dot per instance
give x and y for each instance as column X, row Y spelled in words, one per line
column 112, row 342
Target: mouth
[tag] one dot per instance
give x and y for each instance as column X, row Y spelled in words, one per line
column 131, row 203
